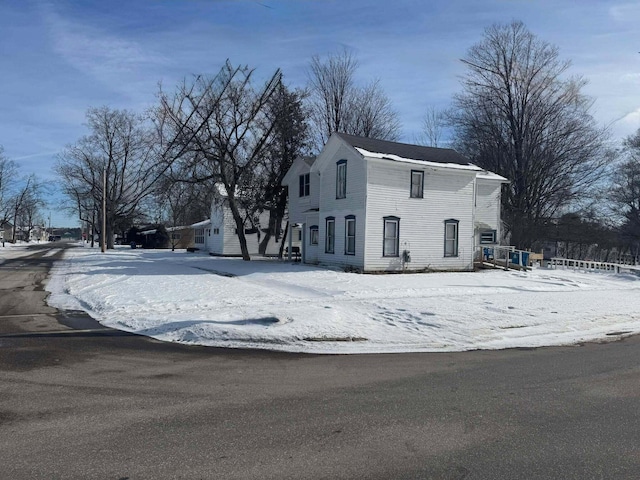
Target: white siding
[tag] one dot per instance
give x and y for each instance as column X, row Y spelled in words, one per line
column 311, row 251
column 487, row 214
column 227, row 243
column 447, row 195
column 353, row 204
column 299, row 206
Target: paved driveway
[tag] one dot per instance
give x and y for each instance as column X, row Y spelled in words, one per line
column 88, row 402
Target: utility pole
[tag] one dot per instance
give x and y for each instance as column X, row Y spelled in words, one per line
column 103, row 247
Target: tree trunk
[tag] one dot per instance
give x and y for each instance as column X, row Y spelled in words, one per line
column 239, row 228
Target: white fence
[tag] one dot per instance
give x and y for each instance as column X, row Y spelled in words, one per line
column 593, row 266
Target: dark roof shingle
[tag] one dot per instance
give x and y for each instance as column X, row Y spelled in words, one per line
column 405, row 150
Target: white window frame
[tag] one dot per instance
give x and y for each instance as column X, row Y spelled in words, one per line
column 304, row 185
column 341, row 179
column 417, row 188
column 390, row 241
column 330, row 235
column 488, row 237
column 313, row 235
column 451, row 232
column 349, row 238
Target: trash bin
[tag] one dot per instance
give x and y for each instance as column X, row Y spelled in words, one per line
column 520, row 258
column 133, row 245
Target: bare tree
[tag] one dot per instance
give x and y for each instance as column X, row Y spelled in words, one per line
column 290, row 140
column 8, row 178
column 27, row 203
column 338, row 104
column 519, row 117
column 433, row 125
column 217, row 129
column 625, row 191
column 120, row 145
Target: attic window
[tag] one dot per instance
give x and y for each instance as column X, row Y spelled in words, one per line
column 341, row 179
column 304, row 185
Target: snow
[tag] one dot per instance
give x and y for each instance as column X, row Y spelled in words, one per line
column 198, row 299
column 396, row 158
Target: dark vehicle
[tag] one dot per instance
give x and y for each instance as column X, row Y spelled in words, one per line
column 54, row 238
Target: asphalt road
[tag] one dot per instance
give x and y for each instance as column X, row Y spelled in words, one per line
column 94, row 403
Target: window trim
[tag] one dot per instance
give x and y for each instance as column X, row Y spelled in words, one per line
column 494, row 236
column 304, row 185
column 421, row 193
column 341, row 183
column 327, row 242
column 312, row 229
column 395, row 220
column 456, row 223
column 198, row 234
column 348, row 219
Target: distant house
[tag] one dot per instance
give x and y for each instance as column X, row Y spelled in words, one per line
column 6, row 232
column 201, row 235
column 181, row 237
column 223, row 237
column 375, row 205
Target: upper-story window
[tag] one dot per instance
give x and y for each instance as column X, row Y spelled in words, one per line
column 304, row 185
column 451, row 238
column 341, row 179
column 417, row 184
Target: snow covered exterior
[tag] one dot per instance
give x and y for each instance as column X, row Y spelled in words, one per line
column 222, row 237
column 375, row 205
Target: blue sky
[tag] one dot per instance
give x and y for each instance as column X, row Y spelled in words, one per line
column 60, row 57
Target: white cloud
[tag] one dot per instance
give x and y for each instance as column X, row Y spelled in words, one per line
column 625, row 12
column 109, row 59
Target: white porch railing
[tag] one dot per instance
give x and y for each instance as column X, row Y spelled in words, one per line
column 592, row 266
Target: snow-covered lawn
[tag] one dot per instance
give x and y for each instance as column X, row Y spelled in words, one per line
column 198, row 299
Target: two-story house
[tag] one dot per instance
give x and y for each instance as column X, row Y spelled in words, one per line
column 375, row 205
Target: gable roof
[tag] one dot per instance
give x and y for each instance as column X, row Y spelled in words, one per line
column 405, row 150
column 296, row 167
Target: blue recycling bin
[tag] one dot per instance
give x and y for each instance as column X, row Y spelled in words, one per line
column 520, row 258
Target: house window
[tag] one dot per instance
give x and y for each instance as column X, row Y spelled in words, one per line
column 417, row 184
column 313, row 235
column 330, row 237
column 175, row 236
column 304, row 185
column 488, row 236
column 451, row 238
column 350, row 235
column 341, row 179
column 391, row 236
column 216, row 231
column 300, row 235
column 199, row 236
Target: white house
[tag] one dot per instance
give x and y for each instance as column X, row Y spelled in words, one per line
column 375, row 205
column 221, row 235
